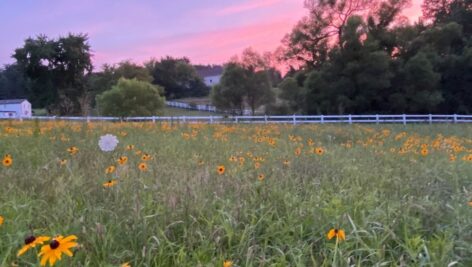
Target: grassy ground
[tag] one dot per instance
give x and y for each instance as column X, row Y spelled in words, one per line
column 400, row 193
column 169, row 111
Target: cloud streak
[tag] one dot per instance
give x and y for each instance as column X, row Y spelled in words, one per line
column 247, row 6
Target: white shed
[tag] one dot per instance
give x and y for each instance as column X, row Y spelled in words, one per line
column 212, row 80
column 15, row 108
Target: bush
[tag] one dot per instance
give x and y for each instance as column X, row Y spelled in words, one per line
column 130, row 98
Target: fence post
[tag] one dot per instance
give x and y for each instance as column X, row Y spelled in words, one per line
column 265, row 118
column 294, row 119
column 430, row 119
column 88, row 119
column 404, row 119
column 322, row 119
column 184, row 119
column 237, row 119
column 350, row 119
column 211, row 119
column 377, row 121
column 455, row 118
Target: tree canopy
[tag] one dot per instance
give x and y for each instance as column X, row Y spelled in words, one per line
column 130, row 98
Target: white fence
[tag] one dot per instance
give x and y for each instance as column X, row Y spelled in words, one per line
column 207, row 108
column 290, row 119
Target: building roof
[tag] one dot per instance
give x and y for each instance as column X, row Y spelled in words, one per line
column 209, row 71
column 12, row 101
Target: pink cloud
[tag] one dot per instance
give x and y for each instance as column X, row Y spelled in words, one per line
column 246, row 6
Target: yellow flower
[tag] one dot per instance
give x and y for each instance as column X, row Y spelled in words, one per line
column 126, row 264
column 286, row 163
column 122, row 160
column 110, row 183
column 227, row 263
column 221, row 170
column 338, row 233
column 53, row 251
column 129, row 147
column 257, row 165
column 73, row 150
column 110, row 169
column 7, row 160
column 319, row 151
column 146, row 157
column 142, row 166
column 31, row 242
column 424, row 152
column 63, row 162
column 470, row 204
column 1, row 220
column 261, row 177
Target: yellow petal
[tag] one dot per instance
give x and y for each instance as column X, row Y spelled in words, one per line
column 331, row 234
column 342, row 235
column 23, row 250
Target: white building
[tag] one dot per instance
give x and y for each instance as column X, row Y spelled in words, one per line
column 212, row 80
column 15, row 108
column 210, row 74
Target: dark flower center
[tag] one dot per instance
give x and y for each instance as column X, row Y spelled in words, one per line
column 54, row 244
column 336, row 231
column 29, row 240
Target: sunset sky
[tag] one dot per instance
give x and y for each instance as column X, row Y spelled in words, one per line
column 206, row 31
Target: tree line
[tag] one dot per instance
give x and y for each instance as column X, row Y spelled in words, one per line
column 345, row 56
column 361, row 57
column 57, row 74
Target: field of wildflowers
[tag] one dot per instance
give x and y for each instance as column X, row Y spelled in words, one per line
column 145, row 194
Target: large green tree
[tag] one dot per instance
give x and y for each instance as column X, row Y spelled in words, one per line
column 56, row 69
column 13, row 83
column 178, row 77
column 130, row 98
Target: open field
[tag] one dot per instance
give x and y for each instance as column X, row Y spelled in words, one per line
column 169, row 111
column 257, row 195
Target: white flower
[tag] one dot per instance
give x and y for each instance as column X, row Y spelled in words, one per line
column 108, row 142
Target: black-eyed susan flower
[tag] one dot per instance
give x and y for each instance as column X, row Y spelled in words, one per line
column 110, row 183
column 63, row 162
column 54, row 250
column 1, row 220
column 126, row 264
column 424, row 152
column 319, row 151
column 220, row 169
column 73, row 150
column 261, row 177
column 142, row 166
column 470, row 204
column 31, row 242
column 257, row 165
column 122, row 160
column 110, row 169
column 298, row 151
column 338, row 233
column 228, row 263
column 129, row 147
column 146, row 157
column 7, row 160
column 286, row 163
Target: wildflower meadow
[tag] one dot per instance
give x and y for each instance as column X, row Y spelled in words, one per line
column 162, row 194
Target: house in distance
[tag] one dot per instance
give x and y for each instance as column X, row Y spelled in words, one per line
column 210, row 74
column 15, row 108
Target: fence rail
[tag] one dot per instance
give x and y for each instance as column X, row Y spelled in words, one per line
column 289, row 119
column 207, row 108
